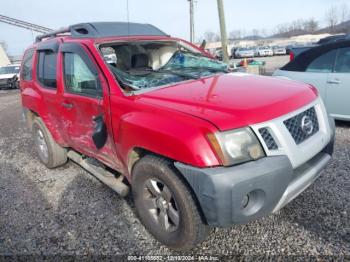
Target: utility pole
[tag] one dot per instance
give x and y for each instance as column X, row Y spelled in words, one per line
column 223, row 31
column 191, row 20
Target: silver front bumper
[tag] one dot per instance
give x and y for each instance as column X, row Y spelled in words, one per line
column 304, row 177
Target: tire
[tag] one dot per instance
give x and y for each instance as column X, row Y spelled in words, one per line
column 180, row 234
column 50, row 153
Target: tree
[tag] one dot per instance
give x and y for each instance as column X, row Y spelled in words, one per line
column 310, row 25
column 332, row 17
column 344, row 13
column 255, row 32
column 217, row 37
column 236, row 34
column 209, row 36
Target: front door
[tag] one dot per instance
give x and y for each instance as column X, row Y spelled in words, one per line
column 84, row 98
column 338, row 86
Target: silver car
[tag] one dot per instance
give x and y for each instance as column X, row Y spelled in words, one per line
column 264, row 51
column 279, row 50
column 326, row 67
column 244, row 53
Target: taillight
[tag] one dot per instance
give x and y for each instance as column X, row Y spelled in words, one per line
column 291, row 56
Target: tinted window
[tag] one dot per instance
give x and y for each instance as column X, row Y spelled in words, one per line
column 342, row 64
column 27, row 66
column 47, row 65
column 323, row 63
column 78, row 77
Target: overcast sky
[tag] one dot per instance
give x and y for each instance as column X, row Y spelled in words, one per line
column 172, row 16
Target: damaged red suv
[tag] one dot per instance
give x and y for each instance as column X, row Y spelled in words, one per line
column 198, row 146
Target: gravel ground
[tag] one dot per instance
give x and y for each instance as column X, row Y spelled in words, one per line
column 66, row 211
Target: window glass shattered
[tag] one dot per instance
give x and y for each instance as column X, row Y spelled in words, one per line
column 152, row 64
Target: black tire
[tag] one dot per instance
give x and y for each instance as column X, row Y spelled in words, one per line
column 191, row 228
column 56, row 155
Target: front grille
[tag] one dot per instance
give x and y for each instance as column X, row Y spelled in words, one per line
column 268, row 139
column 303, row 125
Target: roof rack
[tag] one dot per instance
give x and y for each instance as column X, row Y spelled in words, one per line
column 105, row 29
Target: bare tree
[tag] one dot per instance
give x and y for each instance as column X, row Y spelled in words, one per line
column 217, row 37
column 236, row 34
column 255, row 32
column 344, row 13
column 310, row 25
column 209, row 36
column 332, row 17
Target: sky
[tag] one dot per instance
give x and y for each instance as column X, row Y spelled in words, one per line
column 171, row 16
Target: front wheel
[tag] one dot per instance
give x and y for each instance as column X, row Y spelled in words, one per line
column 165, row 204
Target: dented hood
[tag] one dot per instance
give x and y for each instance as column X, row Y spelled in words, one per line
column 233, row 100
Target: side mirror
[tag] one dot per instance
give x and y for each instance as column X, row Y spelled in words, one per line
column 100, row 132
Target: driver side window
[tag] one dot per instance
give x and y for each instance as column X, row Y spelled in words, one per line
column 79, row 79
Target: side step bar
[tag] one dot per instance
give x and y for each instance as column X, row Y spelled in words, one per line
column 101, row 174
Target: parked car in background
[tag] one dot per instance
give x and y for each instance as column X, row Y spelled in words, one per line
column 279, row 50
column 264, row 51
column 9, row 76
column 297, row 50
column 327, row 67
column 219, row 54
column 244, row 53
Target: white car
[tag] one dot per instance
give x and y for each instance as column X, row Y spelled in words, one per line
column 264, row 51
column 244, row 53
column 279, row 50
column 9, row 76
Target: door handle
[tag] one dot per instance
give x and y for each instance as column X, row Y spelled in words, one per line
column 334, row 81
column 67, row 105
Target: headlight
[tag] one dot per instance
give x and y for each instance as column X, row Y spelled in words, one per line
column 236, row 146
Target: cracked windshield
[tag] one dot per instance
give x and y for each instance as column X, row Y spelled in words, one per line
column 142, row 65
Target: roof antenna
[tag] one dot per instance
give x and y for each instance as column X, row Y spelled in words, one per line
column 127, row 15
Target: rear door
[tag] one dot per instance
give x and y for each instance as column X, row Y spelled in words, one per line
column 84, row 98
column 317, row 72
column 338, row 86
column 46, row 80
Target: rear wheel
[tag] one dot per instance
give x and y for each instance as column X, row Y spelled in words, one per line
column 165, row 204
column 50, row 153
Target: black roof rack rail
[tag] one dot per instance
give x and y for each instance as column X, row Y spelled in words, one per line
column 105, row 29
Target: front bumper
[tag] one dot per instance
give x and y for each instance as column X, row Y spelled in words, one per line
column 6, row 83
column 239, row 194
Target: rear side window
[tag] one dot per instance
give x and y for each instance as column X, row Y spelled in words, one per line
column 27, row 66
column 342, row 64
column 323, row 63
column 47, row 65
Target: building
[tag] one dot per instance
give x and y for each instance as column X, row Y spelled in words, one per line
column 4, row 60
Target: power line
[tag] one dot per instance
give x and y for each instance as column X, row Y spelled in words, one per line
column 23, row 24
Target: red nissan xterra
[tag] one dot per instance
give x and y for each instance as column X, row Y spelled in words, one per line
column 197, row 145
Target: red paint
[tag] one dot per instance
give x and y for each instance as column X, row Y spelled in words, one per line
column 172, row 121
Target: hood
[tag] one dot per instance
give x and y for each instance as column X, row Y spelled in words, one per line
column 7, row 76
column 233, row 100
